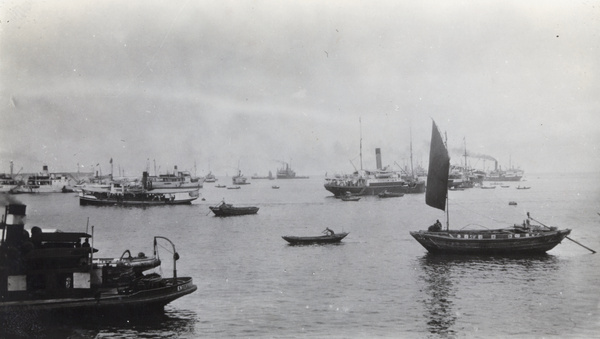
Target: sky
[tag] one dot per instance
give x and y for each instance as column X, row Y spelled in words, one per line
column 226, row 85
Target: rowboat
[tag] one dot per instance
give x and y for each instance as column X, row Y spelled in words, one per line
column 226, row 210
column 322, row 239
column 386, row 194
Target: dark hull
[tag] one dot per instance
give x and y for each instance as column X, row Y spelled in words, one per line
column 490, row 241
column 515, row 178
column 233, row 211
column 108, row 302
column 83, row 201
column 324, row 239
column 376, row 189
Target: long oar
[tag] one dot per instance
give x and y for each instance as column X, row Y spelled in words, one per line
column 587, row 248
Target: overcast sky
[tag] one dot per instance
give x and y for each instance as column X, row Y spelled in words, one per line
column 228, row 84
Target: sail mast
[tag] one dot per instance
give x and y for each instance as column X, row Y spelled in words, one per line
column 412, row 170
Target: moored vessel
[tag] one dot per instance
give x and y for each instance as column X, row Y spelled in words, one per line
column 121, row 195
column 52, row 272
column 517, row 239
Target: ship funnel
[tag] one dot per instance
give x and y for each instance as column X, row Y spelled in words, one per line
column 145, row 180
column 495, row 165
column 14, row 219
column 45, row 169
column 378, row 157
column 175, row 170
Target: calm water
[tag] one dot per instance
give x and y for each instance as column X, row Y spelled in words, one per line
column 379, row 282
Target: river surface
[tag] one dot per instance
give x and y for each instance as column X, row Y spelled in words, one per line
column 379, row 282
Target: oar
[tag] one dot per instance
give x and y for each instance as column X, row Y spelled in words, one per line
column 215, row 206
column 587, row 248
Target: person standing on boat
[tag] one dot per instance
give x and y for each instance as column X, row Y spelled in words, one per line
column 329, row 231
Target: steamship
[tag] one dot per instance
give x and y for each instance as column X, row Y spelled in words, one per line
column 498, row 174
column 122, row 195
column 373, row 182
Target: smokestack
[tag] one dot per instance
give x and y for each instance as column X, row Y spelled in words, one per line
column 175, row 171
column 145, row 180
column 378, row 157
column 14, row 219
column 495, row 165
column 45, row 169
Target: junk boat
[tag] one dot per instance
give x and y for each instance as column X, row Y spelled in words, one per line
column 518, row 239
column 120, row 194
column 54, row 273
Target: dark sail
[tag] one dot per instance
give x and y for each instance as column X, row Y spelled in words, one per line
column 437, row 176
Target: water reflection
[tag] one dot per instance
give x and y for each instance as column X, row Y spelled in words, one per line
column 444, row 276
column 170, row 324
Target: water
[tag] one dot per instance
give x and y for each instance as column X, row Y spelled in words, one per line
column 379, row 282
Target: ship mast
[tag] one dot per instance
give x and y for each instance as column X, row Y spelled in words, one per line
column 360, row 128
column 412, row 170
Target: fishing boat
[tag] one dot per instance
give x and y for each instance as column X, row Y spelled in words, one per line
column 47, row 272
column 386, row 194
column 328, row 238
column 121, row 195
column 524, row 238
column 46, row 182
column 228, row 210
column 286, row 172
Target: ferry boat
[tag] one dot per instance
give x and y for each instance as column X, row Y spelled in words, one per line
column 46, row 182
column 175, row 180
column 53, row 272
column 497, row 174
column 122, row 195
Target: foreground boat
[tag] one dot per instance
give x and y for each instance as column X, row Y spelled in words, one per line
column 121, row 195
column 227, row 210
column 518, row 239
column 53, row 273
column 320, row 239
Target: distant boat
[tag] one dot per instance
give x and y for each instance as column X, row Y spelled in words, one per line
column 350, row 197
column 512, row 203
column 275, row 187
column 523, row 187
column 328, row 238
column 176, row 180
column 210, row 177
column 226, row 210
column 386, row 194
column 220, row 186
column 121, row 195
column 269, row 177
column 373, row 182
column 46, row 182
column 239, row 179
column 233, row 187
column 488, row 187
column 286, row 172
column 518, row 239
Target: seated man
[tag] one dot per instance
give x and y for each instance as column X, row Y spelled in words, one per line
column 437, row 227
